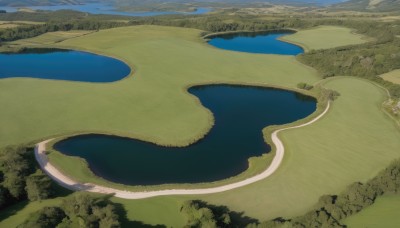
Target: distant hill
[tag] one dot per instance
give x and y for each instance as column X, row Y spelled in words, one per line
column 18, row 3
column 368, row 5
column 133, row 3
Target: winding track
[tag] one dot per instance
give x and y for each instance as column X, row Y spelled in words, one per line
column 68, row 183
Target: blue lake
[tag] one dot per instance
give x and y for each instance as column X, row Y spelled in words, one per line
column 102, row 8
column 240, row 115
column 256, row 42
column 62, row 65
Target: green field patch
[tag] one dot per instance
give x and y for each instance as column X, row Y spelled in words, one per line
column 392, row 76
column 325, row 37
column 383, row 213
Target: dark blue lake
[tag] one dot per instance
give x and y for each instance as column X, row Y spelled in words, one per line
column 62, row 65
column 240, row 115
column 258, row 42
column 102, row 8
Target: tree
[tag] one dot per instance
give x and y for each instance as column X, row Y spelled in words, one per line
column 15, row 183
column 107, row 216
column 88, row 211
column 38, row 186
column 198, row 216
column 16, row 166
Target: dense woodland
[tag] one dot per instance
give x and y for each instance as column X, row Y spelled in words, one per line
column 21, row 179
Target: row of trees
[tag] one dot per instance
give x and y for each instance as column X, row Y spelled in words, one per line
column 80, row 210
column 20, row 178
column 28, row 31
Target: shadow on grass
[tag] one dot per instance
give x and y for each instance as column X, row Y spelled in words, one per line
column 12, row 209
column 123, row 218
column 60, row 191
column 125, row 222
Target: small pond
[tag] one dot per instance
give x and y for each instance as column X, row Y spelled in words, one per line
column 256, row 42
column 62, row 64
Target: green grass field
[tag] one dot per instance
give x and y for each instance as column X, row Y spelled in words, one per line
column 393, row 76
column 52, row 37
column 353, row 142
column 384, row 213
column 325, row 37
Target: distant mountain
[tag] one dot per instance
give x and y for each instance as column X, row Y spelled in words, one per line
column 234, row 2
column 369, row 5
column 21, row 3
column 133, row 3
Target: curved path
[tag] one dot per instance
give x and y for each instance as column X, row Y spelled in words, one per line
column 68, row 183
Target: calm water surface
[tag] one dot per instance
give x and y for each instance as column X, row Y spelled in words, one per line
column 262, row 42
column 62, row 65
column 102, row 8
column 240, row 115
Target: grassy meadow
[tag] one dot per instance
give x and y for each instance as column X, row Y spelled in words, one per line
column 393, row 76
column 325, row 37
column 14, row 24
column 353, row 142
column 384, row 213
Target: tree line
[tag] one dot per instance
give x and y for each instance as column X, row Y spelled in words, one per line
column 80, row 210
column 29, row 31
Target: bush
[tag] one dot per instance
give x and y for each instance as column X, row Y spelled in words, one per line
column 305, row 86
column 38, row 186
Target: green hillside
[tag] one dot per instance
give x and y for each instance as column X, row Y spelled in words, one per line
column 21, row 3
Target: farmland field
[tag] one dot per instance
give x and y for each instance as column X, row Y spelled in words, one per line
column 393, row 76
column 324, row 37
